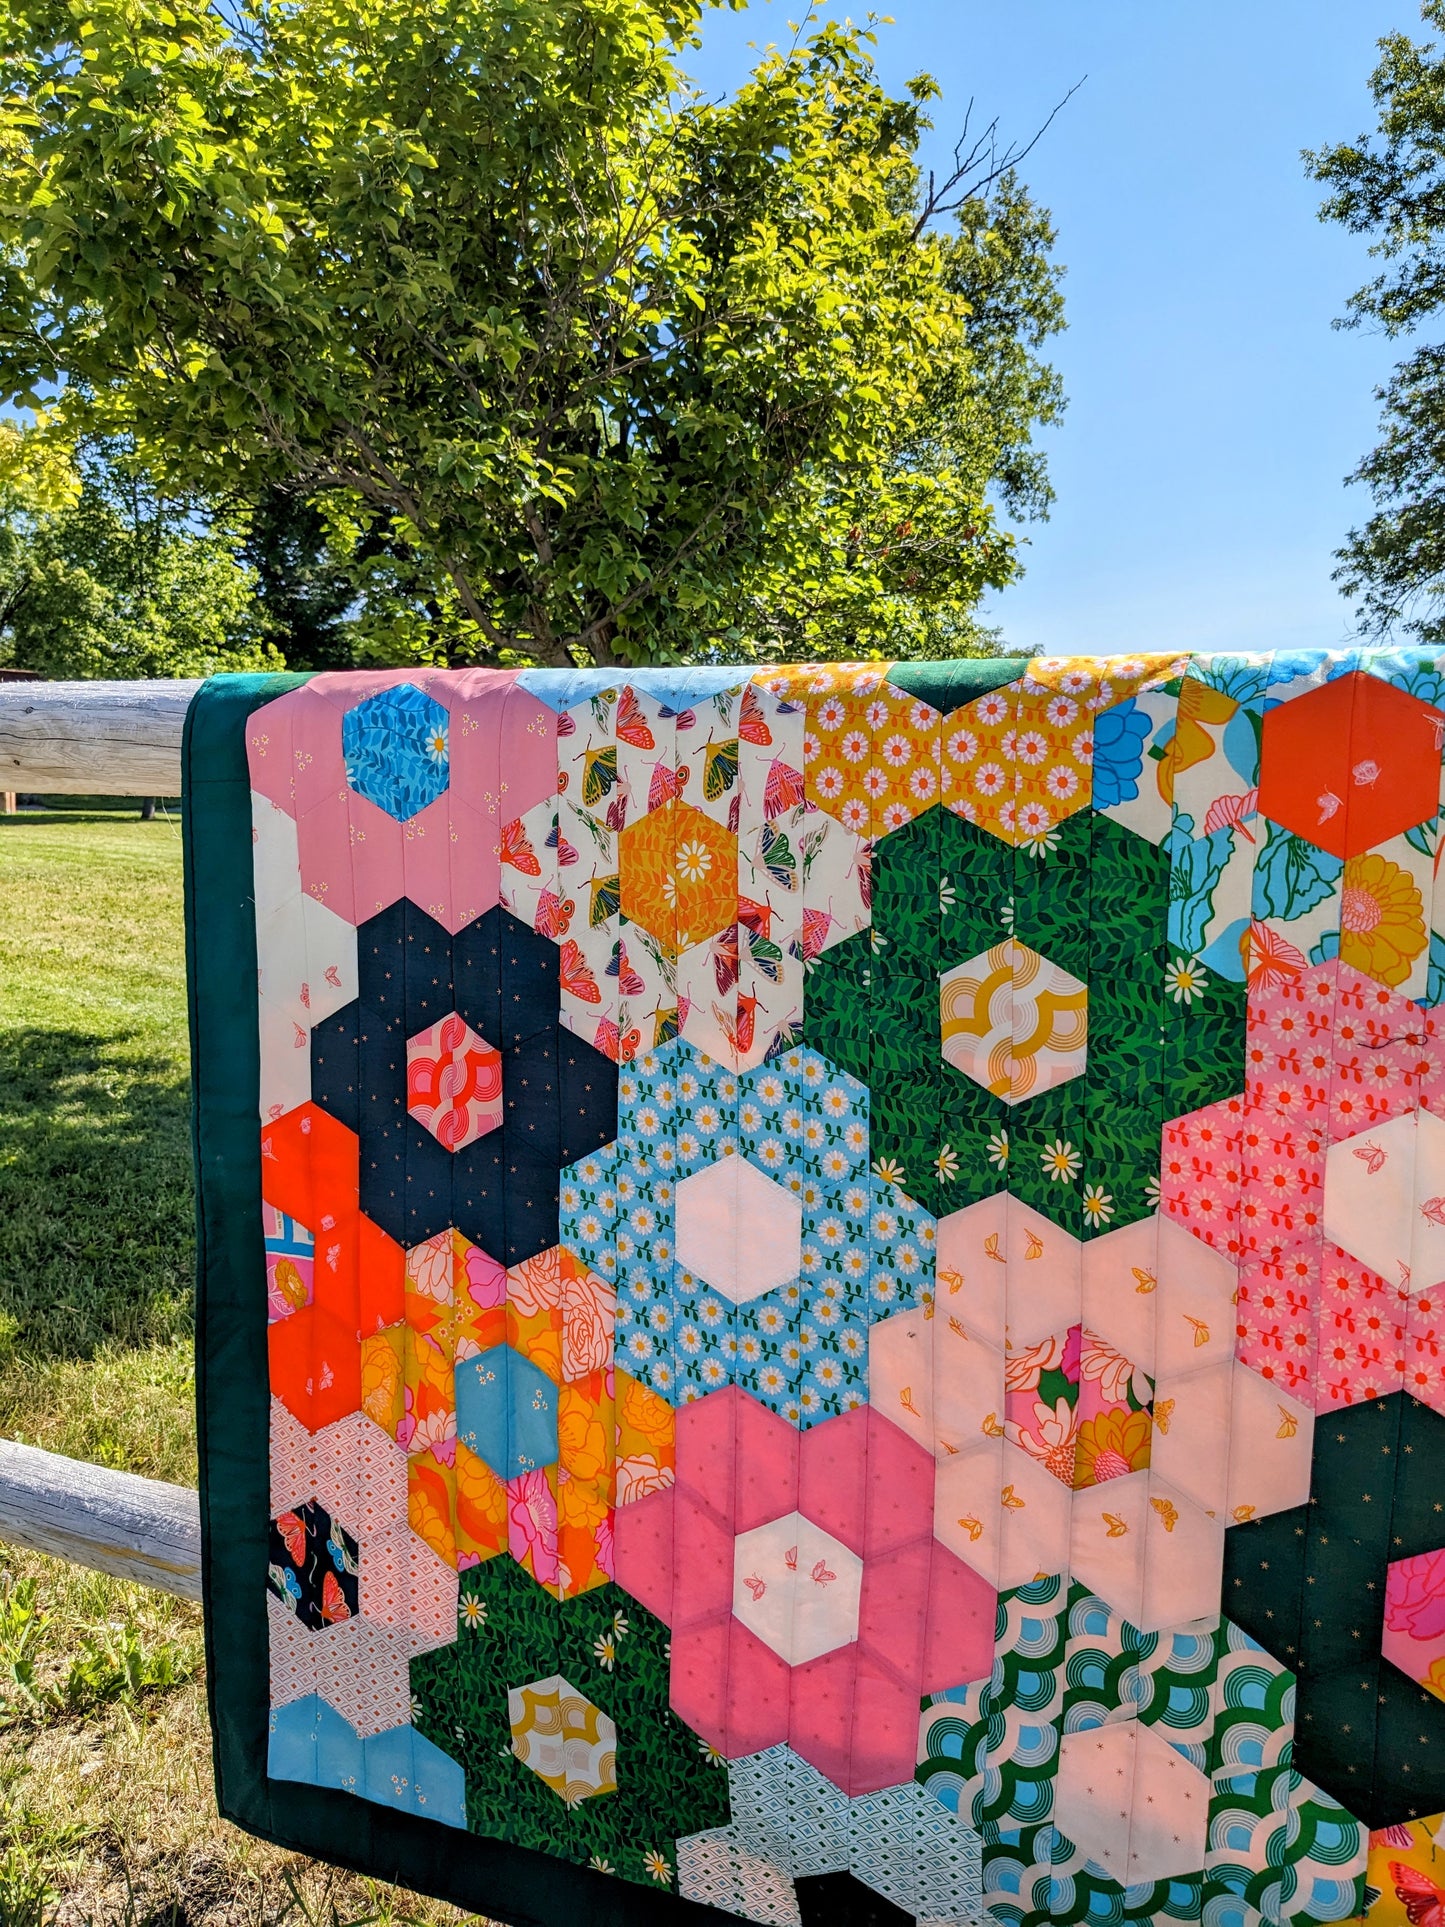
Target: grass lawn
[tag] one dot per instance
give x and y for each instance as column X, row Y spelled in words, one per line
column 106, row 1807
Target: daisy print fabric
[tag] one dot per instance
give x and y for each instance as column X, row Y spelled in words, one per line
column 854, row 1283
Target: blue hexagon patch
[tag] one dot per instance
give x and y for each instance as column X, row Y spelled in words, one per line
column 395, row 745
column 507, row 1411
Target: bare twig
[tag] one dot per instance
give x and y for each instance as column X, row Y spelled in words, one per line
column 976, row 167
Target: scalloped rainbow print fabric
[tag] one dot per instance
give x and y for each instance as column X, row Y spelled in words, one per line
column 856, row 1277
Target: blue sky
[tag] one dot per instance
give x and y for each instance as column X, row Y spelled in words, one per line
column 1213, row 412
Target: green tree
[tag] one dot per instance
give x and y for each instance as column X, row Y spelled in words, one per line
column 101, row 575
column 576, row 363
column 307, row 592
column 1391, row 185
column 890, row 586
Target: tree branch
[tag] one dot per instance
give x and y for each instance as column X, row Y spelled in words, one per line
column 976, row 170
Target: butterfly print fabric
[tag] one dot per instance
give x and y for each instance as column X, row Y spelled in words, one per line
column 849, row 1270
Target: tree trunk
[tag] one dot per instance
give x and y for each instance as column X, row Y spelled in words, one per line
column 147, row 809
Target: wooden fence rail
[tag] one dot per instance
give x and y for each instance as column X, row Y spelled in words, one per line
column 97, row 739
column 93, row 738
column 115, row 1522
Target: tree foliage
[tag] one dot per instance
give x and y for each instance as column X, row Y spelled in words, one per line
column 1391, row 185
column 307, row 590
column 100, row 575
column 574, row 362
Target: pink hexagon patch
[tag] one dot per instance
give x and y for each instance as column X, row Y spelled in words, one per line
column 453, row 1082
column 809, row 1600
column 1323, row 1180
column 1414, row 1637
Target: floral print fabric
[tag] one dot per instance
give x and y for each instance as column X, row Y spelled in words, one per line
column 854, row 1319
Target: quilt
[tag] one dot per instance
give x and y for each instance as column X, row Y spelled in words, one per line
column 822, row 1289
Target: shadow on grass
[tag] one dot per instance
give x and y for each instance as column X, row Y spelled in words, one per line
column 88, row 813
column 96, row 1227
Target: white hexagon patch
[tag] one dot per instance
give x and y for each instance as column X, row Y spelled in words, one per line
column 1013, row 1021
column 738, row 1230
column 797, row 1587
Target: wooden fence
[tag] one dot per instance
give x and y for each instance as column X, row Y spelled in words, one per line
column 114, row 1521
column 93, row 738
column 97, row 739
